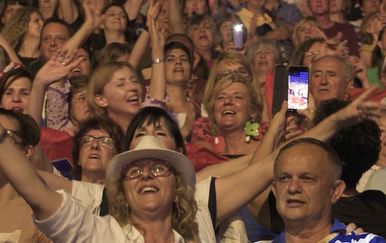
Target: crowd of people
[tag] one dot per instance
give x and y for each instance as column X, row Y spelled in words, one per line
column 162, row 121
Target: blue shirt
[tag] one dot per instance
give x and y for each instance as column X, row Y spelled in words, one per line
column 340, row 228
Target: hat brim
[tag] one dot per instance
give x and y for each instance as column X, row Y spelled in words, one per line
column 179, row 161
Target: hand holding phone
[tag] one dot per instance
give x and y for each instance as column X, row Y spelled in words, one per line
column 298, row 79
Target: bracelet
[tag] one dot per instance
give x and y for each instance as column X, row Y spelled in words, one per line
column 3, row 135
column 157, row 60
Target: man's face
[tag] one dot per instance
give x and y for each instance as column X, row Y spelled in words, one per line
column 328, row 80
column 54, row 36
column 318, row 7
column 304, row 185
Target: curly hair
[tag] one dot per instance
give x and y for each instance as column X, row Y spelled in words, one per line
column 14, row 31
column 184, row 210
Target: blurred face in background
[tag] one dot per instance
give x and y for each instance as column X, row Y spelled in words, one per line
column 35, row 25
column 54, row 36
column 195, row 6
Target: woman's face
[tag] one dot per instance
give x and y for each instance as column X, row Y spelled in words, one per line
column 178, row 68
column 115, row 19
column 195, row 6
column 226, row 31
column 16, row 96
column 149, row 194
column 159, row 130
column 317, row 51
column 79, row 108
column 264, row 60
column 121, row 95
column 96, row 150
column 202, row 35
column 232, row 107
column 47, row 4
column 377, row 24
column 336, row 6
column 35, row 25
column 305, row 31
column 10, row 11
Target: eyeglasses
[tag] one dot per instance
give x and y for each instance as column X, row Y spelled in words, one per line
column 156, row 169
column 14, row 135
column 104, row 141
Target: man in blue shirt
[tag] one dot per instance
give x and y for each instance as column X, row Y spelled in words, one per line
column 306, row 184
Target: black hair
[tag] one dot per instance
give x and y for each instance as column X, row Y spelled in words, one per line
column 179, row 45
column 28, row 130
column 357, row 146
column 153, row 115
column 94, row 123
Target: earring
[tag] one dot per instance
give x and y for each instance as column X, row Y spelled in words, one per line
column 213, row 132
column 251, row 129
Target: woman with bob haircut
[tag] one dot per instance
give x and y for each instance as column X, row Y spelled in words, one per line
column 15, row 89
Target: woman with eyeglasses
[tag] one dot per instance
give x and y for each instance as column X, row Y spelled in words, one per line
column 150, row 191
column 95, row 143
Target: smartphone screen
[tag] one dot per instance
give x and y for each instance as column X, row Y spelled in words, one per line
column 298, row 78
column 238, row 38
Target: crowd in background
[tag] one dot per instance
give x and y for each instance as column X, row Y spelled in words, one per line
column 84, row 84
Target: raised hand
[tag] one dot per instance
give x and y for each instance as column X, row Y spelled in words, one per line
column 58, row 67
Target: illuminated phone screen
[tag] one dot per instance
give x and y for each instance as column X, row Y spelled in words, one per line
column 297, row 88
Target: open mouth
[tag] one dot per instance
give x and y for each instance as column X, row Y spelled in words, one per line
column 94, row 156
column 17, row 109
column 148, row 189
column 133, row 99
column 228, row 113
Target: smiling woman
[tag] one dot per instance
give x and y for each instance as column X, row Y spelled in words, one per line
column 15, row 88
column 114, row 91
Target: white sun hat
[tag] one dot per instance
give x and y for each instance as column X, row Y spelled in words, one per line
column 150, row 147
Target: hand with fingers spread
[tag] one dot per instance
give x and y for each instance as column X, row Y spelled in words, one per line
column 357, row 110
column 57, row 68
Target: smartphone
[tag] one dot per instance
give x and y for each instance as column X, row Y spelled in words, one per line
column 280, row 87
column 298, row 79
column 238, row 36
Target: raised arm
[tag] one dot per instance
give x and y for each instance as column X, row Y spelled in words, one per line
column 18, row 171
column 92, row 21
column 158, row 76
column 54, row 70
column 140, row 45
column 9, row 49
column 68, row 11
column 251, row 181
column 267, row 145
column 132, row 8
column 175, row 17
